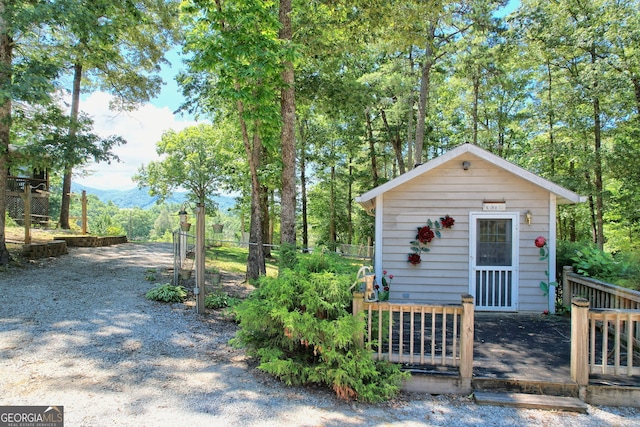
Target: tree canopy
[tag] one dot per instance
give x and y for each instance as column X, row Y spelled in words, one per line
column 347, row 95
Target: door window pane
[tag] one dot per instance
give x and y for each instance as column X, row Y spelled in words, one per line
column 493, row 242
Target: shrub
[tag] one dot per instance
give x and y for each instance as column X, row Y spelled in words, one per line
column 288, row 256
column 167, row 293
column 628, row 270
column 219, row 299
column 300, row 329
column 150, row 275
column 324, row 261
column 592, row 262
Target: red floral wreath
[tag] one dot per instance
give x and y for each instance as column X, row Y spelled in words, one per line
column 414, row 259
column 425, row 235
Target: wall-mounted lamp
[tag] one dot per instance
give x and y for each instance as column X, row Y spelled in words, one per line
column 527, row 217
column 465, row 165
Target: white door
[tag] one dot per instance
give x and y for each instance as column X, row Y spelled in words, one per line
column 493, row 264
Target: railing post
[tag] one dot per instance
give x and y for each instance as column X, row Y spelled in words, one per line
column 566, row 286
column 580, row 344
column 466, row 341
column 358, row 307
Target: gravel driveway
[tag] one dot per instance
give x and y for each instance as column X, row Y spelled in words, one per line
column 77, row 331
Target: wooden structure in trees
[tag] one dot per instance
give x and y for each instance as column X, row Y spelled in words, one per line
column 30, row 193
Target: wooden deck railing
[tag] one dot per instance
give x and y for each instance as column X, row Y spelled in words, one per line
column 599, row 294
column 439, row 335
column 602, row 342
column 610, row 306
column 612, row 345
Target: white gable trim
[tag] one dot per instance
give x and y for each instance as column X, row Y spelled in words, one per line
column 564, row 195
column 552, row 252
column 378, row 244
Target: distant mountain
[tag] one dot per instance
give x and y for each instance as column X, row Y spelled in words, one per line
column 140, row 197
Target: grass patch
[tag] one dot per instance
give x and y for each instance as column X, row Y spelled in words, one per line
column 234, row 260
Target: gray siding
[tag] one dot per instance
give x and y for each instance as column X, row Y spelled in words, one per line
column 443, row 274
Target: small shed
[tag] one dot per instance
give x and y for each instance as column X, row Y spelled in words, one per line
column 467, row 222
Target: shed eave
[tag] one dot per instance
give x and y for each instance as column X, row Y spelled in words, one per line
column 564, row 195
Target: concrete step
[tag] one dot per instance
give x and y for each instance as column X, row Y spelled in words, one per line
column 530, row 401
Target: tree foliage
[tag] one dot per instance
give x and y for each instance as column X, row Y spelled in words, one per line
column 299, row 327
column 197, row 158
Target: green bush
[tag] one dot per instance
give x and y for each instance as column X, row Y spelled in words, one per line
column 288, row 256
column 167, row 293
column 324, row 261
column 622, row 269
column 628, row 270
column 219, row 299
column 592, row 262
column 299, row 327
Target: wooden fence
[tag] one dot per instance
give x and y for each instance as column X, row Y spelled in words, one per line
column 439, row 335
column 605, row 327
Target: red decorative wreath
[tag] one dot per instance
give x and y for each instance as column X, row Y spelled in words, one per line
column 414, row 259
column 447, row 222
column 425, row 235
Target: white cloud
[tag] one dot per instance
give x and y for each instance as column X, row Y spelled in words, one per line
column 142, row 129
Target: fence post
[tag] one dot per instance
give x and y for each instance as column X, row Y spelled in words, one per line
column 466, row 341
column 566, row 286
column 580, row 344
column 358, row 307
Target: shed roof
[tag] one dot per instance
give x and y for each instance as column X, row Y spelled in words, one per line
column 564, row 196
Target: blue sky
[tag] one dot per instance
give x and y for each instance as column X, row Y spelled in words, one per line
column 142, row 129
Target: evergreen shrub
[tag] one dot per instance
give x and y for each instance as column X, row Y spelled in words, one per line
column 300, row 328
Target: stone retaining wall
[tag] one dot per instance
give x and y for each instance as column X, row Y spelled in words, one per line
column 59, row 245
column 92, row 241
column 44, row 250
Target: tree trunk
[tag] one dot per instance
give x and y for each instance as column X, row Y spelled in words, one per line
column 332, row 210
column 6, row 59
column 394, row 140
column 372, row 150
column 551, row 118
column 636, row 89
column 303, row 188
column 411, row 101
column 73, row 130
column 598, row 173
column 423, row 102
column 476, row 96
column 264, row 204
column 350, row 203
column 287, row 138
column 253, row 149
column 597, row 134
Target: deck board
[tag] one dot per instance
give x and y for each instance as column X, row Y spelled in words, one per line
column 530, row 401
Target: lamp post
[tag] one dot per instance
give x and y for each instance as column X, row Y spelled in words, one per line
column 200, row 257
column 198, row 291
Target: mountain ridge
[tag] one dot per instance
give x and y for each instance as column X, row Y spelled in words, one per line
column 139, row 197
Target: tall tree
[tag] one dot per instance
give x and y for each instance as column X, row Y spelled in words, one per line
column 235, row 64
column 118, row 45
column 288, row 137
column 6, row 64
column 27, row 76
column 197, row 158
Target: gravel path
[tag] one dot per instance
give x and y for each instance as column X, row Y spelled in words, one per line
column 77, row 331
